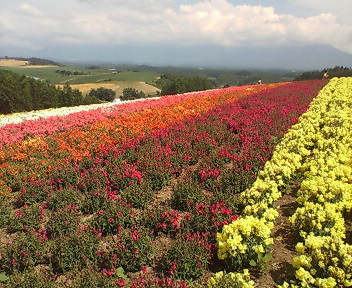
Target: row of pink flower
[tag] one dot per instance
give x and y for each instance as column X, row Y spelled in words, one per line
column 43, row 127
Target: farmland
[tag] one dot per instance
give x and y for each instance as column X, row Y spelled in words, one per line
column 195, row 190
column 86, row 78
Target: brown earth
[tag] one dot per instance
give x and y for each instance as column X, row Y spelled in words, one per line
column 283, row 249
column 117, row 86
column 20, row 64
column 85, row 88
column 13, row 63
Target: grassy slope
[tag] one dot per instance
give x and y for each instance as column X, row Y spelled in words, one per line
column 94, row 75
column 104, row 77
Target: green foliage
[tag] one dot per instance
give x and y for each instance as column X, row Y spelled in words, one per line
column 20, row 93
column 92, row 278
column 102, row 93
column 177, row 84
column 31, row 279
column 93, row 201
column 131, row 94
column 63, row 197
column 138, row 195
column 74, row 251
column 68, row 72
column 337, row 71
column 5, row 210
column 26, row 218
column 63, row 222
column 114, row 213
column 188, row 258
column 187, row 193
column 131, row 249
column 27, row 251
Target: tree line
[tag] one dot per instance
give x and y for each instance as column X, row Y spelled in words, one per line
column 69, row 73
column 177, row 84
column 19, row 93
column 337, row 71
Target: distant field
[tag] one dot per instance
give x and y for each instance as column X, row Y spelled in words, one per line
column 21, row 64
column 117, row 86
column 92, row 78
column 92, row 75
column 139, row 85
column 12, row 62
column 85, row 88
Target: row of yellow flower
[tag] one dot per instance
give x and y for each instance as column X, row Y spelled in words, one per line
column 317, row 148
column 325, row 194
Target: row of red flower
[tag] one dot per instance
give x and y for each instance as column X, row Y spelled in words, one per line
column 43, row 127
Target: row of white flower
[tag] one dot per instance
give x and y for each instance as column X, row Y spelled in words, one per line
column 16, row 118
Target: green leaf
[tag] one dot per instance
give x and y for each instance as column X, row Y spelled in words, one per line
column 3, row 277
column 120, row 272
column 253, row 263
column 268, row 257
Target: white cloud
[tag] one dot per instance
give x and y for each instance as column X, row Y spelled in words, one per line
column 150, row 21
column 27, row 9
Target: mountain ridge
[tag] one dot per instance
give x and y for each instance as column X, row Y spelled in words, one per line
column 312, row 57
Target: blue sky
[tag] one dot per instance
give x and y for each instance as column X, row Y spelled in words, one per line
column 35, row 25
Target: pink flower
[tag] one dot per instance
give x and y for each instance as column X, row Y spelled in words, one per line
column 115, row 258
column 135, row 235
column 162, row 225
column 13, row 262
column 18, row 213
column 111, row 220
column 107, row 272
column 120, row 282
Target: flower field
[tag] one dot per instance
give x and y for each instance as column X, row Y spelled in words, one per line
column 180, row 191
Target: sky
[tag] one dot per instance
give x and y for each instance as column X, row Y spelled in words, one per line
column 38, row 25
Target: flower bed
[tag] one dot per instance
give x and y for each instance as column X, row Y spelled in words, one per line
column 169, row 185
column 317, row 152
column 38, row 126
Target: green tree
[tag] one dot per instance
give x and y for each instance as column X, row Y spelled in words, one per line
column 20, row 93
column 131, row 94
column 337, row 71
column 102, row 93
column 176, row 84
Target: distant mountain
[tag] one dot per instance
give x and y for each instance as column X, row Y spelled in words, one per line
column 290, row 58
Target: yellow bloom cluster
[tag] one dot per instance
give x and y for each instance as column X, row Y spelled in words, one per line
column 319, row 219
column 325, row 261
column 234, row 280
column 244, row 237
column 326, row 191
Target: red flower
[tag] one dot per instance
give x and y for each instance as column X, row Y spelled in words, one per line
column 120, row 282
column 107, row 272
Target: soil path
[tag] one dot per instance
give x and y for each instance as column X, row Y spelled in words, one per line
column 283, row 249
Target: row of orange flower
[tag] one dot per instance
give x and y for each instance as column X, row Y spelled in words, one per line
column 78, row 143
